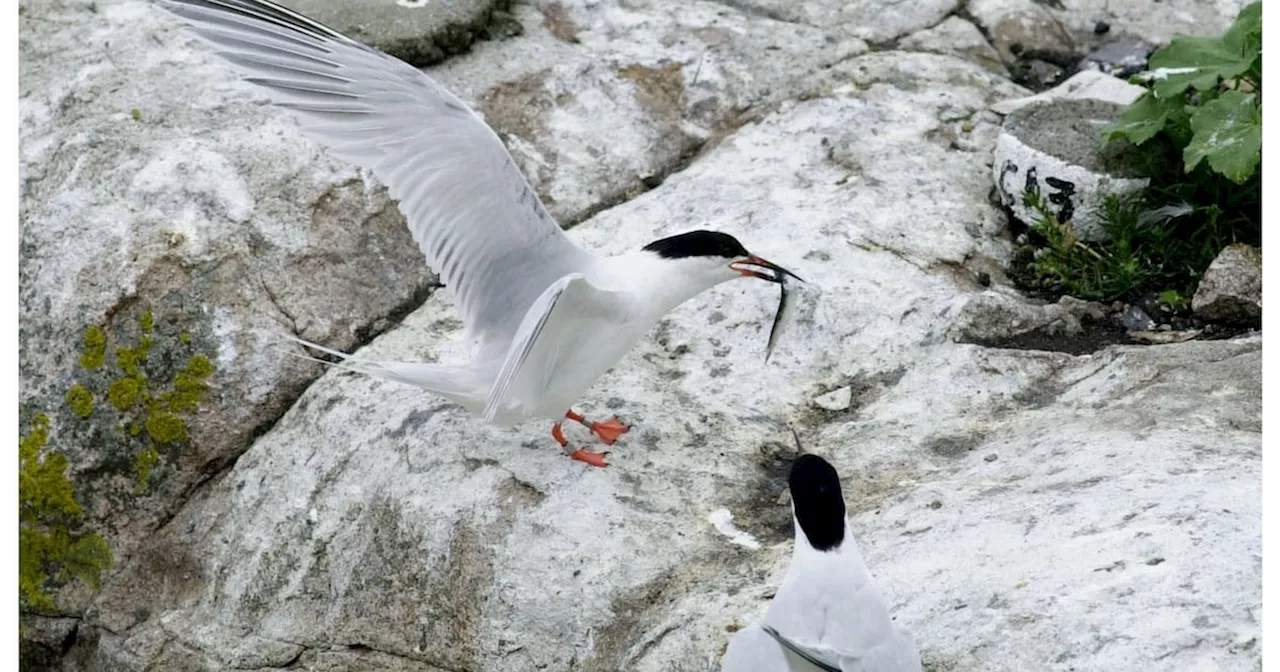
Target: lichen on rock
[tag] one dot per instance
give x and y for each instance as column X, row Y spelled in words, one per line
column 147, row 397
column 51, row 547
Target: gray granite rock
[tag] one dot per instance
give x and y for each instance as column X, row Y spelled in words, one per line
column 152, row 182
column 376, row 527
column 959, row 37
column 419, row 32
column 374, row 516
column 1231, row 289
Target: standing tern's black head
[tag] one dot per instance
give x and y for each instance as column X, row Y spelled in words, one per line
column 817, row 501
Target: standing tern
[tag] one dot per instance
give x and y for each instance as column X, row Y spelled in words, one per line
column 828, row 615
column 547, row 317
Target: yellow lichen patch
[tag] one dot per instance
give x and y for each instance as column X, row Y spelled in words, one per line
column 127, row 360
column 189, row 386
column 95, row 348
column 124, row 392
column 146, row 461
column 80, row 401
column 46, row 508
column 165, row 427
column 150, row 407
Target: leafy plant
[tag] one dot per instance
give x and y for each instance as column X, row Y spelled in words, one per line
column 1199, row 128
column 1205, row 96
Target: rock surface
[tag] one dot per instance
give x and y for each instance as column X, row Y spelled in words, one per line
column 1022, row 508
column 600, row 101
column 420, row 32
column 151, row 180
column 375, row 518
column 1084, row 85
column 1231, row 289
column 1048, row 38
column 959, row 37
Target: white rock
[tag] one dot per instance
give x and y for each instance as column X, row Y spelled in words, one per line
column 447, row 543
column 835, row 400
column 1084, row 85
column 150, row 179
column 596, row 119
column 959, row 37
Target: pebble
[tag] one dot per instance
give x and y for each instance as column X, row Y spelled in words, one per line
column 835, row 400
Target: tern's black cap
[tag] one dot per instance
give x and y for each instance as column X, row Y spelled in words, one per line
column 819, row 504
column 698, row 244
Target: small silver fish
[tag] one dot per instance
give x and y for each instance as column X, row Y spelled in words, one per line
column 786, row 309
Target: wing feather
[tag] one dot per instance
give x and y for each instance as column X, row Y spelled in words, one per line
column 569, row 305
column 468, row 207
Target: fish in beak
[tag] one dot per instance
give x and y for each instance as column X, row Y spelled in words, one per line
column 764, row 269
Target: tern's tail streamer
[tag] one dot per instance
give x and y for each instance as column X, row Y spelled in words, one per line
column 455, row 383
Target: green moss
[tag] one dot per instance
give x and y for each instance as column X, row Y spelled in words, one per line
column 47, row 511
column 80, row 401
column 165, row 427
column 136, row 114
column 146, row 462
column 146, row 322
column 95, row 348
column 185, row 337
column 124, row 392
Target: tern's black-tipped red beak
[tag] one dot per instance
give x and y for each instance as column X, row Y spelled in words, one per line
column 764, row 269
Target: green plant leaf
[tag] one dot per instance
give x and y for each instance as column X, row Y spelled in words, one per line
column 1228, row 133
column 1198, row 63
column 1244, row 37
column 1145, row 118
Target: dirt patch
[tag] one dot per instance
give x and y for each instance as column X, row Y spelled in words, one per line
column 519, row 107
column 555, row 18
column 1091, row 339
column 658, row 90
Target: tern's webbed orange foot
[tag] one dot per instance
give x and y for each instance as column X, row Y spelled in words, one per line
column 609, row 430
column 591, row 458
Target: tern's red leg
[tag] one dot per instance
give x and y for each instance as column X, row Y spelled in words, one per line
column 593, row 459
column 609, row 430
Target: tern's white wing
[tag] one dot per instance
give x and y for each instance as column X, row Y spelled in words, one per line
column 752, row 649
column 479, row 224
column 830, row 608
column 570, row 306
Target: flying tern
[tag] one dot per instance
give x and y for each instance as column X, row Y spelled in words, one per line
column 547, row 317
column 828, row 615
